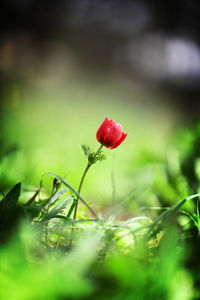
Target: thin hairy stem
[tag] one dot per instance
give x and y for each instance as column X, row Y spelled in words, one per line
column 81, row 183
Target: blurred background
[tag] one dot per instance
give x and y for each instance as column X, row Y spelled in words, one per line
column 66, row 65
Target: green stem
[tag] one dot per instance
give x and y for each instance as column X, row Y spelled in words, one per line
column 79, row 189
column 99, row 149
column 81, row 183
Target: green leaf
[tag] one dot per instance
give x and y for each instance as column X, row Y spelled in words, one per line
column 58, row 195
column 71, row 210
column 9, row 212
column 9, row 203
column 52, row 214
column 93, row 157
column 86, row 150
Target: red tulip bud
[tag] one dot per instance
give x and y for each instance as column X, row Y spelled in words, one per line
column 110, row 134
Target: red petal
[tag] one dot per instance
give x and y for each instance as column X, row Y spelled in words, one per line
column 122, row 138
column 100, row 130
column 112, row 134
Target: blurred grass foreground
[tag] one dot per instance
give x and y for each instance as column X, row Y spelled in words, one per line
column 63, row 70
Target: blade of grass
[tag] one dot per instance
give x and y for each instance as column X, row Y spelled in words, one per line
column 56, row 209
column 156, row 221
column 136, row 219
column 167, row 215
column 74, row 191
column 58, row 195
column 198, row 211
column 166, row 208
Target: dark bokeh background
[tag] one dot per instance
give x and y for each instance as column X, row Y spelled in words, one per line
column 152, row 42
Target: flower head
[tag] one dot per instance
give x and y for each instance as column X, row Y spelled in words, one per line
column 110, row 134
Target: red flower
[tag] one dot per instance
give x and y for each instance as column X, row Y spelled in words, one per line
column 110, row 134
